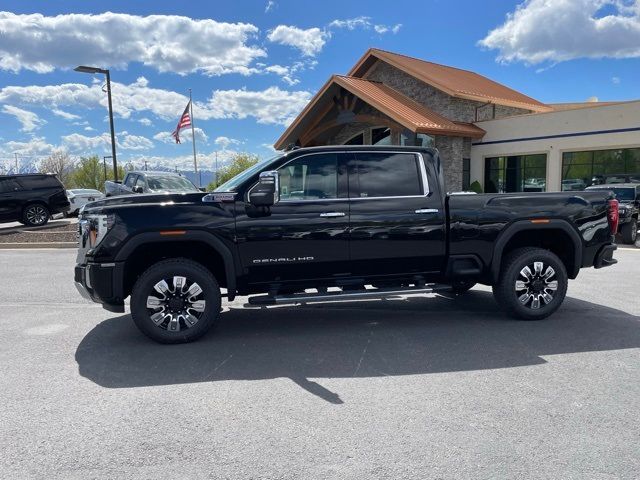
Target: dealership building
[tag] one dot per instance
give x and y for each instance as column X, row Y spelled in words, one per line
column 485, row 131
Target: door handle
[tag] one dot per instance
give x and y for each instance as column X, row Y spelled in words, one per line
column 332, row 214
column 427, row 210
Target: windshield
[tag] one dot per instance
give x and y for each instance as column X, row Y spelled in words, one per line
column 235, row 182
column 170, row 183
column 622, row 194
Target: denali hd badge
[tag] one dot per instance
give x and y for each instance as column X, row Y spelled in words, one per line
column 283, row 259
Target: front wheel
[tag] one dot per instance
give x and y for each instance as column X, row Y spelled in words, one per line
column 175, row 301
column 532, row 285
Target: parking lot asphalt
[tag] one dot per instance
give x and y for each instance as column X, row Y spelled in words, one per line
column 425, row 387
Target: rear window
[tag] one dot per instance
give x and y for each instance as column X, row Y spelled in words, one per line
column 39, row 181
column 385, row 175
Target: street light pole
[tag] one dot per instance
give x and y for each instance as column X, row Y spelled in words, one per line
column 113, row 135
column 94, row 70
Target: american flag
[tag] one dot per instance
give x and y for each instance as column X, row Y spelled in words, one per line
column 185, row 121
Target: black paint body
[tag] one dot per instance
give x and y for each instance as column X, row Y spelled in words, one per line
column 290, row 245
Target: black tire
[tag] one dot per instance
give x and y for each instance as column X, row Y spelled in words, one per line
column 163, row 329
column 35, row 215
column 462, row 286
column 629, row 231
column 544, row 299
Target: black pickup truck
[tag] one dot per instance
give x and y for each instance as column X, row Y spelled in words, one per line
column 335, row 223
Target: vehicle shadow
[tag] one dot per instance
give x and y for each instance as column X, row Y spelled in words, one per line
column 365, row 339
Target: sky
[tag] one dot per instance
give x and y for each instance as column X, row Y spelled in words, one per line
column 253, row 65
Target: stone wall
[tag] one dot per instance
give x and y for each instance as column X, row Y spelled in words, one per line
column 452, row 151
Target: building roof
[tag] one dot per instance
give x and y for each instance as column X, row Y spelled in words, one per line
column 578, row 105
column 453, row 81
column 405, row 111
column 400, row 108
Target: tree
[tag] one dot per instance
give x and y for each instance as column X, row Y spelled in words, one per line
column 90, row 173
column 239, row 163
column 60, row 164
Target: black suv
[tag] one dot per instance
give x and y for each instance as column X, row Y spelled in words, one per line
column 628, row 196
column 31, row 199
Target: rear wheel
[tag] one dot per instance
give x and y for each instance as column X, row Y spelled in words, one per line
column 629, row 231
column 532, row 285
column 175, row 301
column 35, row 215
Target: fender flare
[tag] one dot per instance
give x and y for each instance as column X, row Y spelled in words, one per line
column 522, row 225
column 189, row 235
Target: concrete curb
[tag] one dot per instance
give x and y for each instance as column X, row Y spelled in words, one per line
column 23, row 228
column 23, row 246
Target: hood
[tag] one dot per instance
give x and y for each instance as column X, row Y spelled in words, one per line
column 142, row 199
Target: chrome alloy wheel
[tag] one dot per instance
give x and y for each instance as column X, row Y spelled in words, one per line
column 36, row 215
column 176, row 304
column 536, row 286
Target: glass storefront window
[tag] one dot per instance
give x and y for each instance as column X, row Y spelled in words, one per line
column 597, row 167
column 518, row 173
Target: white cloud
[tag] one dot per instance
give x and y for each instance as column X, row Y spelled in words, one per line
column 29, row 120
column 560, row 30
column 365, row 23
column 271, row 106
column 127, row 141
column 168, row 43
column 65, row 115
column 225, row 142
column 270, row 6
column 309, row 41
column 145, row 121
column 89, row 129
column 165, row 137
column 36, row 146
column 82, row 144
column 285, row 73
column 615, row 80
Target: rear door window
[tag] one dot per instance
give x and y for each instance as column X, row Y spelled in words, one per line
column 385, row 174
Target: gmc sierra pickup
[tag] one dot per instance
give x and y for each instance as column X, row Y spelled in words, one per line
column 335, row 223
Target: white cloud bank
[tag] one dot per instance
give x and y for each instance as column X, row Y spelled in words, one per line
column 560, row 30
column 168, row 43
column 270, row 106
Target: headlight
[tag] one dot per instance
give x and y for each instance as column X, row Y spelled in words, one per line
column 93, row 228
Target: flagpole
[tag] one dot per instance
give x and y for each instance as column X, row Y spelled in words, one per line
column 193, row 139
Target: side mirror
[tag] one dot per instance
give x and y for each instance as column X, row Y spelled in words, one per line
column 266, row 192
column 137, row 189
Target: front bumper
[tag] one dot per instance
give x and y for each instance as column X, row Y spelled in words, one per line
column 604, row 257
column 101, row 283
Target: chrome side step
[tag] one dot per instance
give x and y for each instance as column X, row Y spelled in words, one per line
column 342, row 296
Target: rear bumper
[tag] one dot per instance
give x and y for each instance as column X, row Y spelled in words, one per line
column 101, row 283
column 604, row 257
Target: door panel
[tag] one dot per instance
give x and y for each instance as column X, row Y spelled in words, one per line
column 397, row 225
column 305, row 234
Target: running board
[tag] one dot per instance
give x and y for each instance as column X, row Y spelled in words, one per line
column 341, row 296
